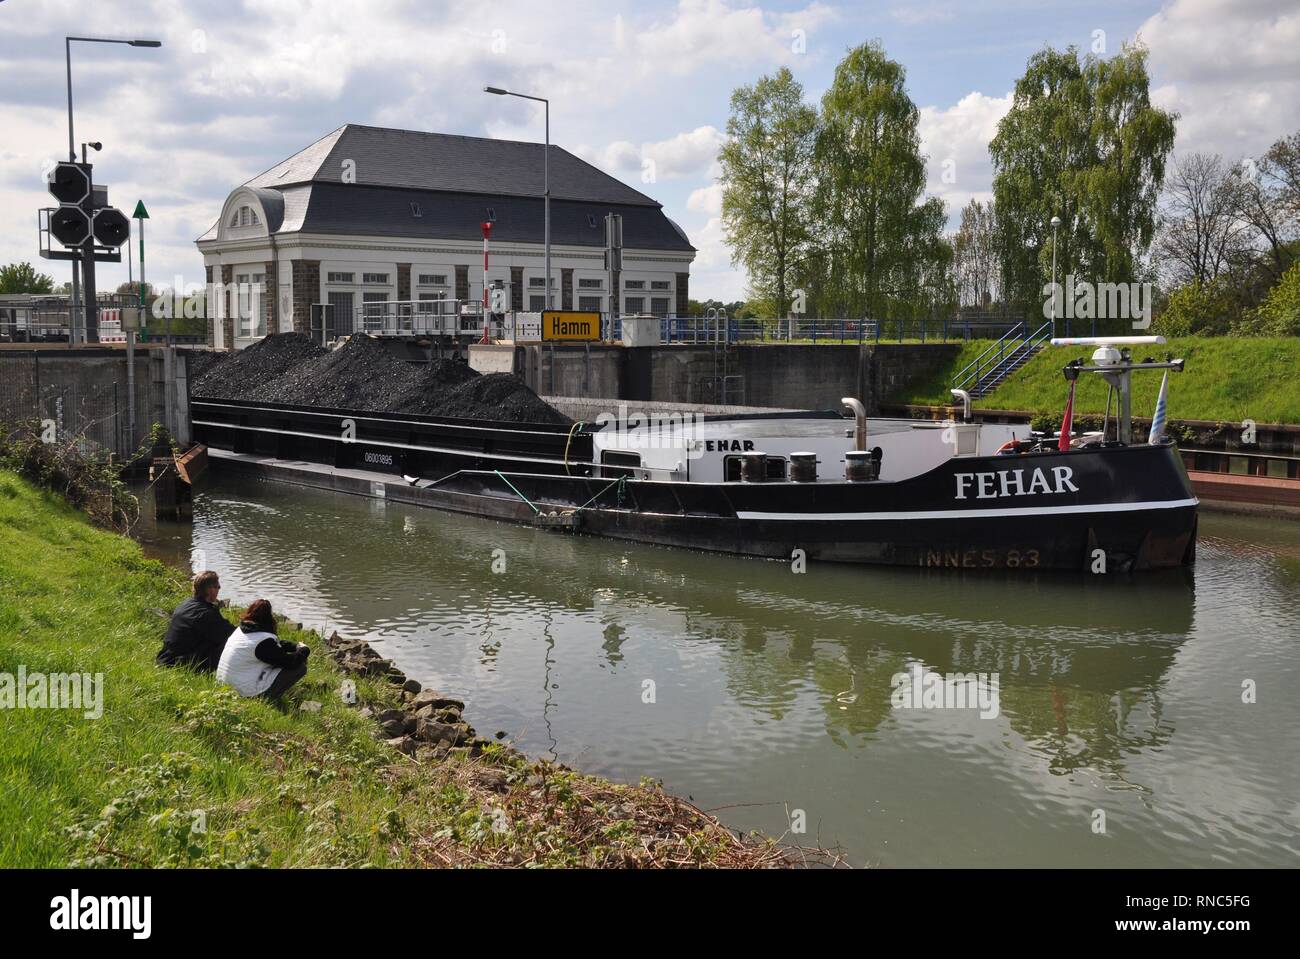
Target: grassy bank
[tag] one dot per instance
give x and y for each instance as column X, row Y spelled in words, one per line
column 1226, row 379
column 269, row 785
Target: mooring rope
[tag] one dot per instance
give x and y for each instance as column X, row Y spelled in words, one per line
column 619, row 481
column 567, row 443
column 517, row 493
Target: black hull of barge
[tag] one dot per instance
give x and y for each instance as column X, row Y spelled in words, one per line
column 1133, row 510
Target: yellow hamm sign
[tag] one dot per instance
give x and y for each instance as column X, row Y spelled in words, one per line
column 570, row 325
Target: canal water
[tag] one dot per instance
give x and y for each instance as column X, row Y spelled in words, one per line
column 1118, row 736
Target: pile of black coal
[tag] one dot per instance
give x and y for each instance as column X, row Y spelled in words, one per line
column 200, row 362
column 242, row 374
column 359, row 375
column 500, row 396
column 364, row 375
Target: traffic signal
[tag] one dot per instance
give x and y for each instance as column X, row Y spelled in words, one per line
column 111, row 227
column 70, row 225
column 69, row 183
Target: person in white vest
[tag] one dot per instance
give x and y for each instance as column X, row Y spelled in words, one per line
column 255, row 661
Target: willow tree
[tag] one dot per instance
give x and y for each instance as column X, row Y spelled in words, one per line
column 1082, row 142
column 880, row 241
column 767, row 180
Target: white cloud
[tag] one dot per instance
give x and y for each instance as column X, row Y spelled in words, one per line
column 686, row 154
column 1231, row 69
column 715, row 31
column 707, row 199
column 712, row 276
column 956, row 140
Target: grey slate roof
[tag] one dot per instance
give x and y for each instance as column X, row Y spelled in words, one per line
column 454, row 181
column 379, row 211
column 409, row 159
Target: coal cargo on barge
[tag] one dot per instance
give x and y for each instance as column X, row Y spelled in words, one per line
column 954, row 494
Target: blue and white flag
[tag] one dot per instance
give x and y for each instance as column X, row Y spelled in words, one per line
column 1158, row 420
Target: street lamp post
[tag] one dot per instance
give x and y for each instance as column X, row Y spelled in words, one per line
column 88, row 249
column 546, row 182
column 1056, row 222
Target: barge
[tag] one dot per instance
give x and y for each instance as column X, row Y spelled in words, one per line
column 815, row 485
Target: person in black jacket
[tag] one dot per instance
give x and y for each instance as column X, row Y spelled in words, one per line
column 198, row 631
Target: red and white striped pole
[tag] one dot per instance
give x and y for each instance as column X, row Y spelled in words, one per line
column 487, row 232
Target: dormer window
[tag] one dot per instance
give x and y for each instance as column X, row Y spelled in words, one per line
column 492, row 214
column 415, row 209
column 244, row 216
column 591, row 220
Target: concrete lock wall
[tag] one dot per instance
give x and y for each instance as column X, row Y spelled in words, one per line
column 783, row 376
column 84, row 392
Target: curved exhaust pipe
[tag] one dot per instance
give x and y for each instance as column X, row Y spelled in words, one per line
column 965, row 404
column 860, row 421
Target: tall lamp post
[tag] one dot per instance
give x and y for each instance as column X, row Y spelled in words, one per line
column 89, row 248
column 1056, row 222
column 546, row 180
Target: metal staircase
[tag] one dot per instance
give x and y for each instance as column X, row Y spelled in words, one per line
column 1011, row 351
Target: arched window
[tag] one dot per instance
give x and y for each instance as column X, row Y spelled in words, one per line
column 244, row 216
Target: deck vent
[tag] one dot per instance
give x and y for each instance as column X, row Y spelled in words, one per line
column 803, row 467
column 753, row 468
column 862, row 466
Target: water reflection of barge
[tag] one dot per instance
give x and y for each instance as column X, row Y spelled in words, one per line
column 896, row 492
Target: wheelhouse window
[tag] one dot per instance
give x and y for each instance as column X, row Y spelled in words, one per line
column 615, row 463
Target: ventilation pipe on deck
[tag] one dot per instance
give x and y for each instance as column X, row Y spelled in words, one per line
column 965, row 404
column 860, row 422
column 803, row 467
column 753, row 468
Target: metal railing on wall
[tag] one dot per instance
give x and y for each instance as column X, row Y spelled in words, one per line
column 463, row 318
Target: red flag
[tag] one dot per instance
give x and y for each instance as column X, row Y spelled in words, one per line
column 1067, row 422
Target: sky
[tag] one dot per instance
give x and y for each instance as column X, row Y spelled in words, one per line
column 640, row 89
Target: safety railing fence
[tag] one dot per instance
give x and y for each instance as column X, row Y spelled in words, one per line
column 461, row 318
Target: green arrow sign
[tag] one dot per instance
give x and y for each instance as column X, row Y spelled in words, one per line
column 140, row 212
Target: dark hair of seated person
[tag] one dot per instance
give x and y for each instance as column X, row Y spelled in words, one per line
column 259, row 615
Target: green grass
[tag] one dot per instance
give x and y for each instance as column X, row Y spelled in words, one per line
column 276, row 785
column 1227, row 379
column 932, row 390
